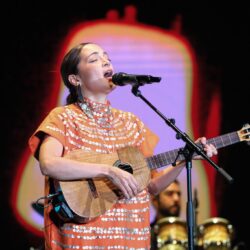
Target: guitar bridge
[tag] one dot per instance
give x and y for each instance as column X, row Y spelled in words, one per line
column 92, row 188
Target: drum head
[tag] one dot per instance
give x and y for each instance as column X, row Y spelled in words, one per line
column 170, row 220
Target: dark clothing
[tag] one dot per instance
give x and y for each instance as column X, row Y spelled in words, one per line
column 153, row 236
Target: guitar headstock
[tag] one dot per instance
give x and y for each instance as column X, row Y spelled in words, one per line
column 244, row 133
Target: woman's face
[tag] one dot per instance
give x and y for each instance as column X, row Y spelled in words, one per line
column 95, row 70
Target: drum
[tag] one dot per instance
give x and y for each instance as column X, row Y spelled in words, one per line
column 171, row 234
column 215, row 234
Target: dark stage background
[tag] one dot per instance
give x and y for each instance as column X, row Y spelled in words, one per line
column 32, row 33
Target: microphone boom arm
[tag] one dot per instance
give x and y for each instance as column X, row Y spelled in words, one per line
column 187, row 151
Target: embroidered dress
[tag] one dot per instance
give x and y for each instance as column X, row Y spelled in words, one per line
column 97, row 127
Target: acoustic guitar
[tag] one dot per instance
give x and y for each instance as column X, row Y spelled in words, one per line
column 84, row 200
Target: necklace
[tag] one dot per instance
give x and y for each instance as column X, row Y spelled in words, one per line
column 99, row 112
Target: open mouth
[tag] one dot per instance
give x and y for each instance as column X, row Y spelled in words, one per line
column 108, row 74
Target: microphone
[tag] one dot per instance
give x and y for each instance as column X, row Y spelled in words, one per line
column 122, row 79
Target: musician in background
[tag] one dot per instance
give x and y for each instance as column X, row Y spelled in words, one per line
column 167, row 203
column 89, row 123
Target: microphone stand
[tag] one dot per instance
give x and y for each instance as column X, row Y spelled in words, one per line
column 196, row 204
column 189, row 149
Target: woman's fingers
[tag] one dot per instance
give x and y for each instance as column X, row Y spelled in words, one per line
column 209, row 148
column 125, row 182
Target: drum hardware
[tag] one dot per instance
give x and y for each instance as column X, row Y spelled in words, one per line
column 215, row 234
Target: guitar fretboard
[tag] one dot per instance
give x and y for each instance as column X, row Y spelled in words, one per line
column 166, row 158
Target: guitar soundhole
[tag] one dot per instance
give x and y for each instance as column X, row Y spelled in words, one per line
column 124, row 166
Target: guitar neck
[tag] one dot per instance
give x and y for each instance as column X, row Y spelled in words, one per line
column 167, row 158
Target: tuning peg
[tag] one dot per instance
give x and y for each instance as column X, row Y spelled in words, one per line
column 247, row 130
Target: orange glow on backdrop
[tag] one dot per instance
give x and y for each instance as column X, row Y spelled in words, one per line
column 138, row 49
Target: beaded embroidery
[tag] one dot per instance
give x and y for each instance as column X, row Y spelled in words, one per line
column 126, row 224
column 99, row 112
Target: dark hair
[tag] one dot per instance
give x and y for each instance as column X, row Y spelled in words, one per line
column 176, row 181
column 69, row 66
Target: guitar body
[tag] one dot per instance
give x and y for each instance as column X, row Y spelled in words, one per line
column 90, row 198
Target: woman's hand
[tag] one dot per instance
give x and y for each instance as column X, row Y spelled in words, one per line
column 208, row 148
column 125, row 181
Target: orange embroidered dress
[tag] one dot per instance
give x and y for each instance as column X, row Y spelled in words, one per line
column 99, row 128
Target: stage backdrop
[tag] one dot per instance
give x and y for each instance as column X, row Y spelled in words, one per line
column 136, row 49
